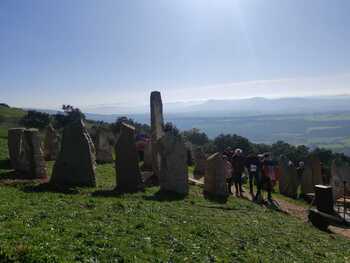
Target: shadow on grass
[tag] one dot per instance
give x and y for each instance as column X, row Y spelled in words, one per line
column 5, row 164
column 116, row 192
column 106, row 193
column 165, row 196
column 215, row 198
column 47, row 187
column 10, row 175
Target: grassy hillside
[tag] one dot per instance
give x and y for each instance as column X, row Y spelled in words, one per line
column 92, row 225
column 10, row 116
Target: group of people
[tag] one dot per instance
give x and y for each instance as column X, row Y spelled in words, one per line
column 261, row 169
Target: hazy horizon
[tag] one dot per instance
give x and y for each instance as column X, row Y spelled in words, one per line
column 85, row 52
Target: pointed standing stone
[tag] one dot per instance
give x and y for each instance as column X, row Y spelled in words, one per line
column 157, row 126
column 127, row 163
column 214, row 180
column 173, row 172
column 76, row 163
column 51, row 144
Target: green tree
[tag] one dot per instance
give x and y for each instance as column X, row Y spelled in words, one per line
column 234, row 141
column 35, row 119
column 195, row 136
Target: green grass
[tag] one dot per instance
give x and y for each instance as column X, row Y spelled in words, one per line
column 90, row 225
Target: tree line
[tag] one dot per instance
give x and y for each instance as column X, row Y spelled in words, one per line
column 294, row 153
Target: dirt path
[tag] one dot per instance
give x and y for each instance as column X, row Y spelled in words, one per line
column 298, row 211
column 301, row 213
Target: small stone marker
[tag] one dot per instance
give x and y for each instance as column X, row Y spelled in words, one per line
column 200, row 162
column 157, row 126
column 214, row 180
column 289, row 181
column 76, row 163
column 127, row 162
column 26, row 154
column 51, row 144
column 173, row 172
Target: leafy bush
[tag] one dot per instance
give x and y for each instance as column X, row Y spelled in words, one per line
column 35, row 119
column 195, row 136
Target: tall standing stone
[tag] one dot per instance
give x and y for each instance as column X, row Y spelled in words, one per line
column 51, row 144
column 289, row 181
column 173, row 171
column 214, row 180
column 76, row 163
column 157, row 129
column 127, row 163
column 14, row 145
column 200, row 162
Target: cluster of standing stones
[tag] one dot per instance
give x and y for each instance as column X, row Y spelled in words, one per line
column 290, row 182
column 166, row 155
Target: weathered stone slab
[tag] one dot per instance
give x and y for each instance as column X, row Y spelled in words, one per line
column 26, row 154
column 214, row 180
column 51, row 144
column 289, row 181
column 76, row 163
column 312, row 175
column 104, row 145
column 127, row 163
column 14, row 145
column 340, row 174
column 200, row 162
column 173, row 172
column 157, row 129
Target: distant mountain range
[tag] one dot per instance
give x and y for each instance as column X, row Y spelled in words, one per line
column 238, row 107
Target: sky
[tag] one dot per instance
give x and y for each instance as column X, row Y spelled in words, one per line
column 88, row 52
